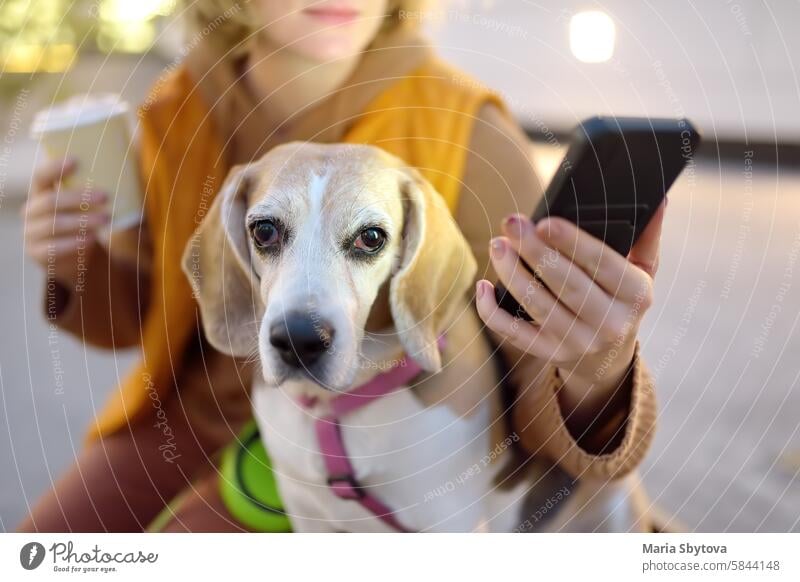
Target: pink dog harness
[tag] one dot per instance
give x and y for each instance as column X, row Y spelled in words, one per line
column 341, row 474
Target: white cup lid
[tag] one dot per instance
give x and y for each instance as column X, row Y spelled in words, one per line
column 78, row 110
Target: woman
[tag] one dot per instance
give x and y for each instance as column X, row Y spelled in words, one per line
column 268, row 72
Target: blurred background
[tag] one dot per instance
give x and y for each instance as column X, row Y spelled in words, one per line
column 722, row 338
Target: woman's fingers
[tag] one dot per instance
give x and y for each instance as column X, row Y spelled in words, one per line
column 52, row 215
column 52, row 172
column 57, row 248
column 610, row 270
column 51, row 202
column 59, row 222
column 582, row 295
column 526, row 336
column 65, row 224
column 567, row 281
column 539, row 341
column 537, row 299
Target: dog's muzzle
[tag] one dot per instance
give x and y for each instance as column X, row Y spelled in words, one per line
column 300, row 339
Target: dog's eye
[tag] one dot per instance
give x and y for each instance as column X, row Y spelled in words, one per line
column 265, row 233
column 370, row 240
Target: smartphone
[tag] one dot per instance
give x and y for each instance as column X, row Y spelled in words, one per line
column 612, row 180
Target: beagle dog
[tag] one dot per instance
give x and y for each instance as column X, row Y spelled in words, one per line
column 338, row 267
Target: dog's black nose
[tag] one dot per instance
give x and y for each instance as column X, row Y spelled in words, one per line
column 300, row 339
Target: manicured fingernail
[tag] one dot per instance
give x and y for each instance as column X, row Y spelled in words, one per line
column 480, row 288
column 498, row 246
column 514, row 226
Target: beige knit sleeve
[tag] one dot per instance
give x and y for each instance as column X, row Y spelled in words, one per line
column 499, row 180
column 607, row 449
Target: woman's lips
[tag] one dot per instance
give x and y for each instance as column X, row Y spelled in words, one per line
column 333, row 14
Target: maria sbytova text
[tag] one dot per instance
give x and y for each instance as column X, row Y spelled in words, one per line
column 683, row 549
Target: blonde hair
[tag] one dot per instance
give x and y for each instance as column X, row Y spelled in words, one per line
column 229, row 26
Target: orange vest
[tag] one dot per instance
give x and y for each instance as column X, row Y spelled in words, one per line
column 425, row 119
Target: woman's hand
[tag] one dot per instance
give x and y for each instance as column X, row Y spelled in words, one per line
column 60, row 223
column 587, row 313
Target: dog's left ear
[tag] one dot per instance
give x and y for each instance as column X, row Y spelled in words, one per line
column 437, row 269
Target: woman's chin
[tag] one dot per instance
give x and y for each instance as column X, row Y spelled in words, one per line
column 325, row 50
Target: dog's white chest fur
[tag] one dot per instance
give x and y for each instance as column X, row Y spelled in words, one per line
column 425, row 463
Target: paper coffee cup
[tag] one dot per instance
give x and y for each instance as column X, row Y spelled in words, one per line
column 96, row 131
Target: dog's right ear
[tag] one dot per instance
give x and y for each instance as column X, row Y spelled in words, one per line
column 218, row 264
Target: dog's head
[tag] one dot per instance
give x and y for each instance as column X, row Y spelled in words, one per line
column 291, row 256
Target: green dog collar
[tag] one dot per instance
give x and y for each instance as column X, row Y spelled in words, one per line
column 248, row 486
